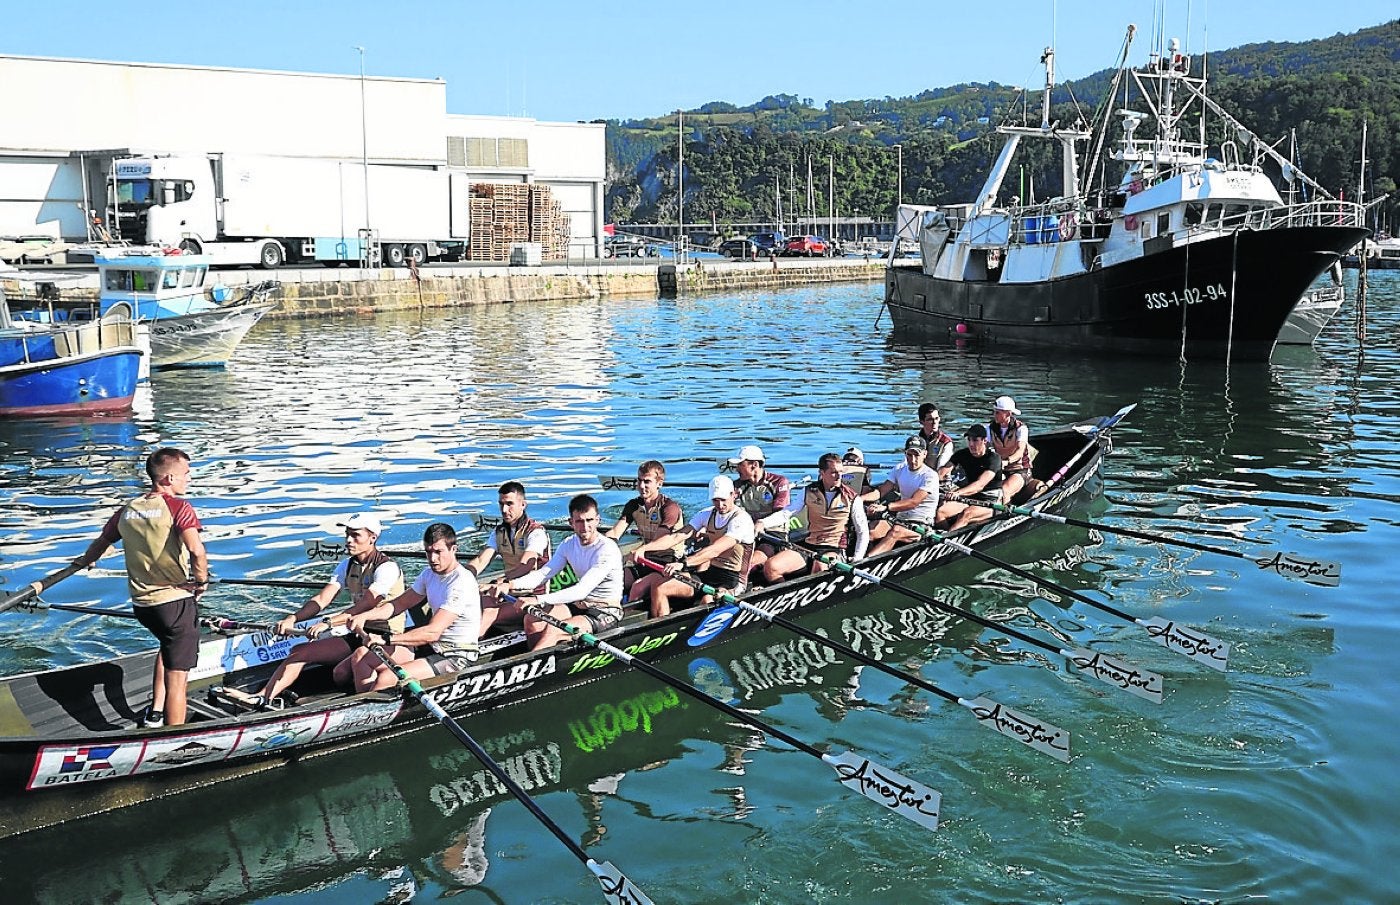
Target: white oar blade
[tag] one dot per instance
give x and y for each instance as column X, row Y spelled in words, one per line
column 616, row 887
column 324, row 550
column 910, row 799
column 1029, row 731
column 1185, row 640
column 1313, row 571
column 1112, row 671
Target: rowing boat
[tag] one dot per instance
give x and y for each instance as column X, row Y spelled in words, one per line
column 71, row 747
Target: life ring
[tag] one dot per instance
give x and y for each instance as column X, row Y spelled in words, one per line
column 1130, row 222
column 1069, row 225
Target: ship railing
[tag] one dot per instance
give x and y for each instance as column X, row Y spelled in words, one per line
column 1328, row 212
column 1042, row 224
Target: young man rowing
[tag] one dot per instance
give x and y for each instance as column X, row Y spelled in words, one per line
column 448, row 642
column 653, row 515
column 370, row 577
column 523, row 545
column 832, row 507
column 728, row 533
column 594, row 602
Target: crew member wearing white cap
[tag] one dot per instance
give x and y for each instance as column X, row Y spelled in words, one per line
column 761, row 493
column 728, row 535
column 1011, row 439
column 370, row 577
column 917, row 485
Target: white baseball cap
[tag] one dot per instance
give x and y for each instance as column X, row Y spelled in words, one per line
column 855, row 455
column 721, row 487
column 1006, row 404
column 365, row 520
column 749, row 453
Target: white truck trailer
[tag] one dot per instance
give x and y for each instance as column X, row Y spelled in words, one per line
column 248, row 209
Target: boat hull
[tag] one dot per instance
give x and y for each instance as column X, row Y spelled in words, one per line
column 204, row 339
column 1313, row 312
column 1222, row 297
column 103, row 381
column 84, row 754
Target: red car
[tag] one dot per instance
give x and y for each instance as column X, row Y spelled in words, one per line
column 806, row 246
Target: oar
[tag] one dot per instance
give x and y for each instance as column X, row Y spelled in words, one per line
column 34, row 589
column 1289, row 565
column 226, row 625
column 1184, row 640
column 1034, row 733
column 616, row 887
column 629, row 482
column 269, row 583
column 330, row 551
column 1103, row 426
column 1107, row 669
column 480, row 521
column 910, row 799
column 724, row 465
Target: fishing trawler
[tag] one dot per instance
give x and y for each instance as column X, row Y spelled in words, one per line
column 1193, row 252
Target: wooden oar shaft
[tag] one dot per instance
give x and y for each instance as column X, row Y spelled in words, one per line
column 410, row 685
column 38, row 587
column 269, row 583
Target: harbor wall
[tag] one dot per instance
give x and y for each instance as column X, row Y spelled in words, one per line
column 316, row 291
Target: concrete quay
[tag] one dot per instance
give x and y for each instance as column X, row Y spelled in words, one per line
column 320, row 291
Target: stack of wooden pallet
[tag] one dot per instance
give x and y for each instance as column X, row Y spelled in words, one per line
column 503, row 214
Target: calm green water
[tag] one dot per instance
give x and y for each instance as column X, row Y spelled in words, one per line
column 1273, row 782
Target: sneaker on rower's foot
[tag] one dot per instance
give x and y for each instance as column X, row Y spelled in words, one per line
column 152, row 719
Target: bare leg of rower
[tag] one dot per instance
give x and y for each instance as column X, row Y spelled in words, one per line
column 176, row 681
column 781, row 564
column 665, row 592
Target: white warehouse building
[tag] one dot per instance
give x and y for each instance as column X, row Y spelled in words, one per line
column 68, row 121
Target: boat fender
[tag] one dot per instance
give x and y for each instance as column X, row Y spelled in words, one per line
column 1069, row 225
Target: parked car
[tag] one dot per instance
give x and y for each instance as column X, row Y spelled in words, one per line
column 805, row 246
column 769, row 242
column 746, row 249
column 629, row 247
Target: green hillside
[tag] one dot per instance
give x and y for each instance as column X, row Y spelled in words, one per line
column 734, row 155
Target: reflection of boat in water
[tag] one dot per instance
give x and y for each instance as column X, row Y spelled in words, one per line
column 70, row 746
column 67, row 369
column 1188, row 254
column 1314, row 310
column 191, row 325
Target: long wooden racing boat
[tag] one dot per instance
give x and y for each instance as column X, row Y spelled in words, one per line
column 70, row 744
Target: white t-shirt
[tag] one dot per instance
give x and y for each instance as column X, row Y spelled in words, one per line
column 598, row 567
column 456, row 592
column 380, row 583
column 911, row 482
column 738, row 524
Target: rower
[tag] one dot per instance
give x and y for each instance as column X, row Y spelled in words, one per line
column 370, row 577
column 917, row 485
column 594, row 602
column 728, row 536
column 760, row 493
column 976, row 472
column 1010, row 439
column 653, row 515
column 832, row 508
column 448, row 643
column 940, row 445
column 523, row 544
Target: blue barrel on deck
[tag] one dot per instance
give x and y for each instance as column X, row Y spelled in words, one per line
column 1042, row 230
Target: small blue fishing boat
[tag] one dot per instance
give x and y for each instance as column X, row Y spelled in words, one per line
column 67, row 369
column 191, row 324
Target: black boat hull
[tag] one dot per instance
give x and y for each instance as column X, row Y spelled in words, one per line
column 1223, row 297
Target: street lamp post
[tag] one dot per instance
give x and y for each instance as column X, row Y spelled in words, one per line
column 680, row 185
column 364, row 157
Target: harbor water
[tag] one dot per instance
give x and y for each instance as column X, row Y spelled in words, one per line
column 1270, row 782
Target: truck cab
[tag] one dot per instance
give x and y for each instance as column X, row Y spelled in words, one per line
column 164, row 201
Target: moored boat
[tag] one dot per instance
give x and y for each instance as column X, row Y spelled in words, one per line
column 67, row 369
column 191, row 324
column 71, row 746
column 1189, row 254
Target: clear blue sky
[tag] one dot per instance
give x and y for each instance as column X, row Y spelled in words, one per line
column 581, row 61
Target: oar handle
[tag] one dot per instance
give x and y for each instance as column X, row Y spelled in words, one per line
column 34, row 589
